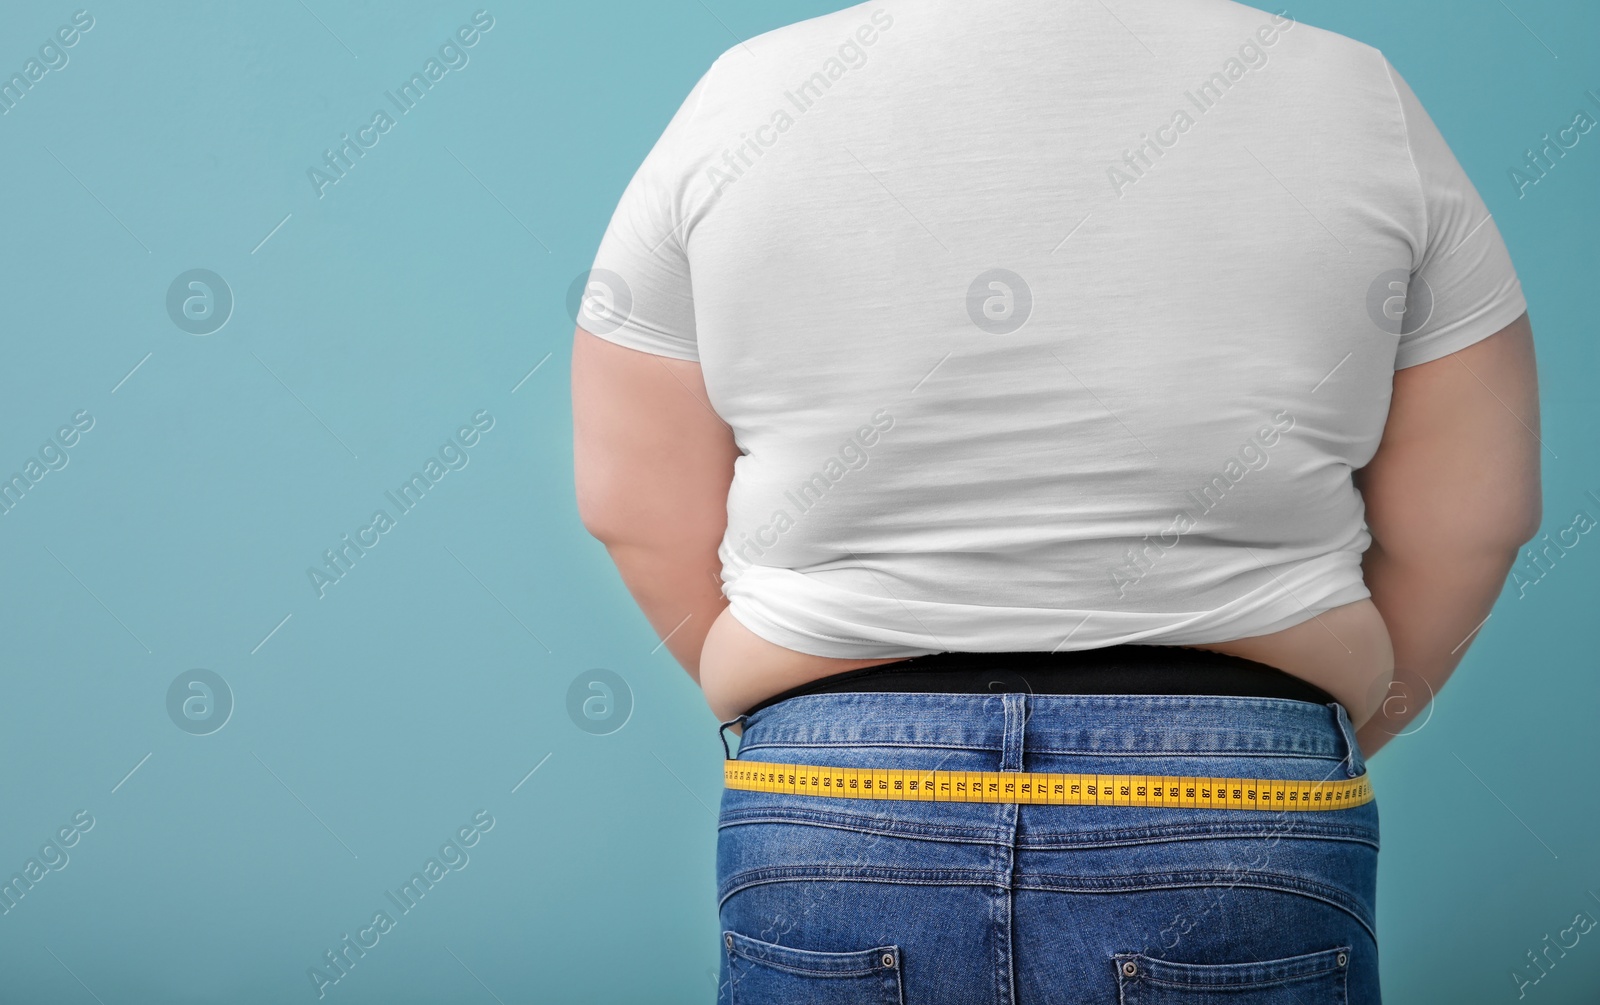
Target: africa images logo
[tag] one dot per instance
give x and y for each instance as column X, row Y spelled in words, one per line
column 339, row 160
column 1251, row 456
column 853, row 455
column 455, row 454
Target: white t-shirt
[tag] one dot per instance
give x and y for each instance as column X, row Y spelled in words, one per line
column 1041, row 327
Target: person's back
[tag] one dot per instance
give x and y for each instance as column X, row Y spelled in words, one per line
column 1042, row 324
column 1043, row 346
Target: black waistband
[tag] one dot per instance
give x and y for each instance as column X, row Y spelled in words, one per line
column 1122, row 669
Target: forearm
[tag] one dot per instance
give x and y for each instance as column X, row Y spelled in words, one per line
column 679, row 588
column 1433, row 601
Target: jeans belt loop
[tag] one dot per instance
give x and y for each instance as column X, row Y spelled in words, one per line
column 724, row 737
column 1354, row 764
column 1015, row 707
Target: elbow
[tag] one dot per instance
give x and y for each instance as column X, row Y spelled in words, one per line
column 1496, row 531
column 1523, row 516
column 595, row 528
column 1517, row 522
column 619, row 518
column 1528, row 527
column 612, row 502
column 601, row 524
column 1507, row 535
column 598, row 512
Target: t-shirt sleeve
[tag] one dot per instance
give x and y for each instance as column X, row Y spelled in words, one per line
column 638, row 292
column 1463, row 286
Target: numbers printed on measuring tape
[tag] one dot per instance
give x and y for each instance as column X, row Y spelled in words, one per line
column 1048, row 788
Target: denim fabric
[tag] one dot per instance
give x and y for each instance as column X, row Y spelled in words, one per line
column 826, row 900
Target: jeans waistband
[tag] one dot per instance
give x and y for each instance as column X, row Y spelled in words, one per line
column 1123, row 725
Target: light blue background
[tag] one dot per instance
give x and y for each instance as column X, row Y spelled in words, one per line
column 428, row 683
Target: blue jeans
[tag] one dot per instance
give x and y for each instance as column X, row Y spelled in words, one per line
column 829, row 900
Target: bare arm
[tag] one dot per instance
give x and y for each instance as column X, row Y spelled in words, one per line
column 1451, row 495
column 653, row 462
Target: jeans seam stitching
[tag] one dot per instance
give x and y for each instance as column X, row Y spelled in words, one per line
column 1105, row 839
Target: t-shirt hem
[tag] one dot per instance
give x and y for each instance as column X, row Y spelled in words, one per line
column 1347, row 594
column 656, row 344
column 1330, row 581
column 1443, row 343
column 808, row 642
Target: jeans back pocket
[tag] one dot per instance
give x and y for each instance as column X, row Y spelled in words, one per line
column 1312, row 979
column 760, row 973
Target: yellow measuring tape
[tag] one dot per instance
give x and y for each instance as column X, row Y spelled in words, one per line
column 1047, row 788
